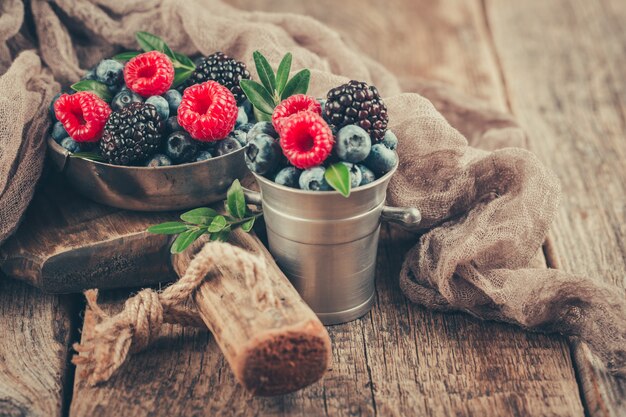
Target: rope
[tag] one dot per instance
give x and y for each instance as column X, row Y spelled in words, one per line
column 106, row 348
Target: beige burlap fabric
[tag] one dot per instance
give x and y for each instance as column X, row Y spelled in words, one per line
column 485, row 213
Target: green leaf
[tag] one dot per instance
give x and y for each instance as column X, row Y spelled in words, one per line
column 95, row 87
column 338, row 176
column 185, row 239
column 149, row 42
column 236, row 201
column 299, row 84
column 247, row 226
column 90, row 156
column 222, row 235
column 201, row 215
column 258, row 96
column 218, row 223
column 184, row 61
column 260, row 116
column 181, row 75
column 282, row 75
column 126, row 56
column 168, row 228
column 265, row 71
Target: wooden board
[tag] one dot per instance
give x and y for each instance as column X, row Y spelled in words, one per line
column 563, row 66
column 67, row 243
column 36, row 331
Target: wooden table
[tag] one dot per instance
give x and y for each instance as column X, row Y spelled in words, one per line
column 558, row 66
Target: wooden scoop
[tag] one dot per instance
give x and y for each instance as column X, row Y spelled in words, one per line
column 67, row 244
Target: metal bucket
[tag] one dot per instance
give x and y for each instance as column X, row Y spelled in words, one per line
column 326, row 244
column 166, row 188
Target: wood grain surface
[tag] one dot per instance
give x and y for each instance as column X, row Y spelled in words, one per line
column 35, row 334
column 563, row 68
column 67, row 243
column 558, row 67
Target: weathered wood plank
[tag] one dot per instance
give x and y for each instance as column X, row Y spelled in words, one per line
column 563, row 65
column 397, row 360
column 67, row 243
column 35, row 337
column 440, row 40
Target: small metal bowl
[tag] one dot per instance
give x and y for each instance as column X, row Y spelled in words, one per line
column 168, row 188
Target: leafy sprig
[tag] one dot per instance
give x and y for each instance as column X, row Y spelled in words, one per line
column 205, row 220
column 274, row 87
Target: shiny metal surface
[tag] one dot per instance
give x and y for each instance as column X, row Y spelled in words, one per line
column 151, row 189
column 327, row 244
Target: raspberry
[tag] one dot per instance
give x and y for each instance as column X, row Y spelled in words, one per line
column 306, row 139
column 292, row 105
column 149, row 74
column 208, row 111
column 83, row 115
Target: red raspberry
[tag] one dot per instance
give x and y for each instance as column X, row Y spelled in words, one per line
column 292, row 105
column 306, row 139
column 83, row 115
column 149, row 74
column 208, row 111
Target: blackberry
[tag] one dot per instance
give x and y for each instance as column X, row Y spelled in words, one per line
column 132, row 134
column 359, row 104
column 223, row 69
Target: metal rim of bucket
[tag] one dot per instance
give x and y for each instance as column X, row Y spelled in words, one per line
column 372, row 184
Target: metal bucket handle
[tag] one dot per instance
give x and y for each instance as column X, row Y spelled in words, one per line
column 408, row 218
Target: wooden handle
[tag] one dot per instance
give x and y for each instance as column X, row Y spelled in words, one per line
column 273, row 350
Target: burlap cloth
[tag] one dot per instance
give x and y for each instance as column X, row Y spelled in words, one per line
column 486, row 213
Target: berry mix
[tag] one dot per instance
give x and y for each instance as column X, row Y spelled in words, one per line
column 340, row 142
column 154, row 108
column 158, row 108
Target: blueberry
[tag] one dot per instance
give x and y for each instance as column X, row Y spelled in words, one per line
column 355, row 174
column 163, row 109
column 110, row 72
column 123, row 99
column 173, row 98
column 51, row 109
column 70, row 144
column 245, row 127
column 288, row 177
column 262, row 128
column 242, row 117
column 171, row 125
column 159, row 160
column 263, row 153
column 312, row 179
column 367, row 175
column 58, row 132
column 390, row 140
column 353, row 144
column 239, row 136
column 381, row 159
column 203, row 156
column 181, row 147
column 226, row 146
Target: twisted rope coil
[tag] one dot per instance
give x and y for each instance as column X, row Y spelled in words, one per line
column 134, row 328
